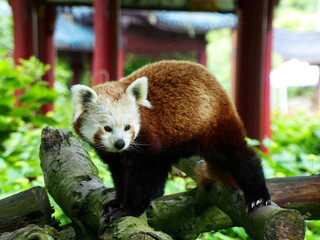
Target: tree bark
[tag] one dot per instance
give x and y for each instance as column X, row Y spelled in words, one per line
column 28, row 207
column 32, row 232
column 72, row 180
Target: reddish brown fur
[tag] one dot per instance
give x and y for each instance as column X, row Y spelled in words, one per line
column 201, row 111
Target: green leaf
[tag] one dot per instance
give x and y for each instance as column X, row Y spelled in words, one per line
column 39, row 120
column 39, row 92
column 49, row 95
column 8, row 100
column 11, row 82
column 5, row 110
column 3, row 164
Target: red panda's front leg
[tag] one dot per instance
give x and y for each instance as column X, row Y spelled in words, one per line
column 117, row 173
column 142, row 183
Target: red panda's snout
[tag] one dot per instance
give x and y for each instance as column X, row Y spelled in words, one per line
column 116, row 140
column 119, row 144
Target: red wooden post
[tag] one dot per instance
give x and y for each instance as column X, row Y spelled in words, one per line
column 46, row 50
column 22, row 31
column 202, row 58
column 266, row 118
column 106, row 28
column 121, row 59
column 252, row 21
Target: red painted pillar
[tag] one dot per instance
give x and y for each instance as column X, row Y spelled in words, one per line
column 46, row 50
column 252, row 22
column 202, row 58
column 266, row 115
column 22, row 29
column 106, row 28
column 121, row 59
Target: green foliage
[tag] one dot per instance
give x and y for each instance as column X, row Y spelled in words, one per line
column 19, row 137
column 299, row 15
column 19, row 163
column 24, row 80
column 219, row 55
column 295, row 146
column 63, row 108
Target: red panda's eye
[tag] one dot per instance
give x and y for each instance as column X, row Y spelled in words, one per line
column 127, row 128
column 108, row 129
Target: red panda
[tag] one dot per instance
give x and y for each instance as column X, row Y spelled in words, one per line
column 164, row 111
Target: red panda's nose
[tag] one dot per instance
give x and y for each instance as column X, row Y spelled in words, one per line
column 119, row 144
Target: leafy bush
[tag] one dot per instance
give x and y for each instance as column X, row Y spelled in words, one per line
column 19, row 135
column 295, row 146
column 24, row 80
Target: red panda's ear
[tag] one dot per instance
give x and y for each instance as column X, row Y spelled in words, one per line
column 81, row 97
column 139, row 90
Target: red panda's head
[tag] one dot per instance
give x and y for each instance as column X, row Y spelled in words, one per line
column 107, row 122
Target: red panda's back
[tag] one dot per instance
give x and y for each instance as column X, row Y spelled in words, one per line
column 187, row 101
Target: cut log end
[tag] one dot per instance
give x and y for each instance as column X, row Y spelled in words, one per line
column 51, row 137
column 287, row 224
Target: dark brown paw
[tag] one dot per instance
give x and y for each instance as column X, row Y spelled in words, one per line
column 116, row 214
column 109, row 207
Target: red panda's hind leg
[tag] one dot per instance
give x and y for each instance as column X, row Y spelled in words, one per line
column 244, row 166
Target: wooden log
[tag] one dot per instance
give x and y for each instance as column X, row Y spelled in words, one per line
column 29, row 207
column 300, row 193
